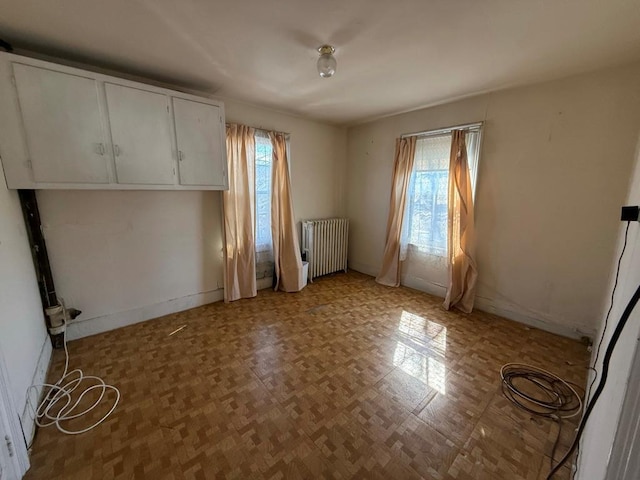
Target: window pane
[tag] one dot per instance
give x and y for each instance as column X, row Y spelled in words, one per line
column 263, row 193
column 473, row 152
column 426, row 212
column 428, row 192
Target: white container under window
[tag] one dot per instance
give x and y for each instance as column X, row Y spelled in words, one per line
column 303, row 274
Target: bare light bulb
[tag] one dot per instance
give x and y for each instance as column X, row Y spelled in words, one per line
column 327, row 62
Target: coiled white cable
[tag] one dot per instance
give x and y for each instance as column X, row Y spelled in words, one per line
column 555, row 398
column 59, row 396
column 562, row 400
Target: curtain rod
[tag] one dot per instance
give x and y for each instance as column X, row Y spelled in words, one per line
column 286, row 134
column 443, row 131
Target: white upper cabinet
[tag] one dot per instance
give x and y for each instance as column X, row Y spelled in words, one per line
column 66, row 128
column 141, row 134
column 63, row 126
column 199, row 139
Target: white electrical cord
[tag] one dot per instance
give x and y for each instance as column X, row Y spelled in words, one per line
column 59, row 396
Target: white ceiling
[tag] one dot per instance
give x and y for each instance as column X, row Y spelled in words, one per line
column 392, row 56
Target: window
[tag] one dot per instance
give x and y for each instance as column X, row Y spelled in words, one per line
column 263, row 163
column 425, row 220
column 263, row 192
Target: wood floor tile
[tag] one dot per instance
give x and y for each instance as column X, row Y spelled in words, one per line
column 310, row 408
column 500, row 447
column 456, row 407
column 350, row 449
column 422, row 448
column 346, row 379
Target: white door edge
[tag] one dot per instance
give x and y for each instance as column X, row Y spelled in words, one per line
column 9, row 417
column 624, row 462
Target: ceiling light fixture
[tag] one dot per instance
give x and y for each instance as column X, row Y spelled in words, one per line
column 327, row 62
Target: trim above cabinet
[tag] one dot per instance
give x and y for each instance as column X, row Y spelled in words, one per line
column 66, row 128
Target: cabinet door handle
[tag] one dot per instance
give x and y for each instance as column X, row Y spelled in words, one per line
column 116, row 150
column 100, row 148
column 180, row 155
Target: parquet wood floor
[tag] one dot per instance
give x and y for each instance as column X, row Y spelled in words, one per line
column 346, row 379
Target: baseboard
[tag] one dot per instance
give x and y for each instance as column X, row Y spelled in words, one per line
column 489, row 305
column 266, row 282
column 363, row 268
column 39, row 377
column 507, row 311
column 420, row 284
column 503, row 310
column 92, row 326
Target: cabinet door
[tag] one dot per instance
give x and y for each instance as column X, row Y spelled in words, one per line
column 63, row 126
column 141, row 134
column 201, row 151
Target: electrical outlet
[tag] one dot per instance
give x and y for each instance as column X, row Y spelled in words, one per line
column 630, row 213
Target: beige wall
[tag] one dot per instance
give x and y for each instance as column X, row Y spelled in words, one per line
column 553, row 172
column 24, row 343
column 123, row 257
column 599, row 434
column 120, row 256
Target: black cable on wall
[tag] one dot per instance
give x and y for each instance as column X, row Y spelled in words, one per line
column 603, row 378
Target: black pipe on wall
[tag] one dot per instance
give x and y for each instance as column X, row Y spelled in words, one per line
column 38, row 247
column 39, row 254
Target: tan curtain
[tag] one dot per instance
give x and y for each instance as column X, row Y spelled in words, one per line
column 403, row 166
column 286, row 249
column 463, row 273
column 240, row 265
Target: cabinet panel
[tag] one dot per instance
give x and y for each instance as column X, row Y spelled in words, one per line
column 141, row 133
column 64, row 131
column 201, row 151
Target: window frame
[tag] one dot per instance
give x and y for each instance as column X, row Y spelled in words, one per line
column 437, row 250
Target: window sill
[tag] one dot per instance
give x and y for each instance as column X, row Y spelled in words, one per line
column 425, row 250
